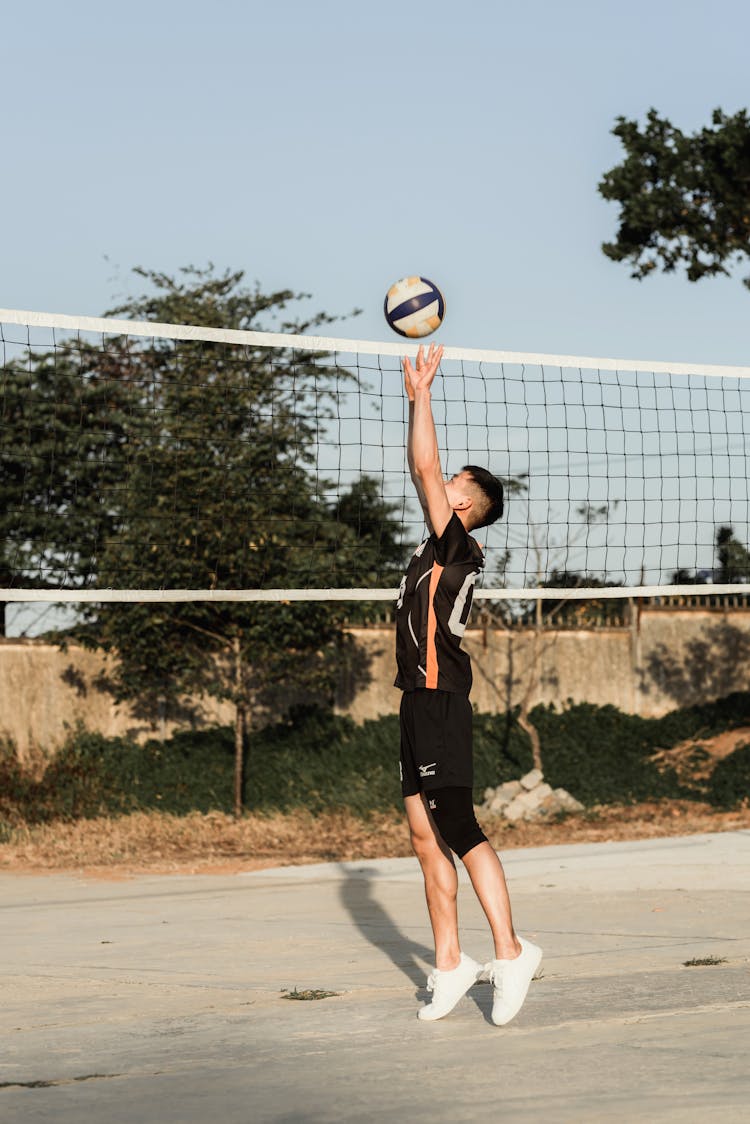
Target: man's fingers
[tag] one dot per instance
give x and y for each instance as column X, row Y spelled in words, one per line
column 426, row 366
column 434, row 356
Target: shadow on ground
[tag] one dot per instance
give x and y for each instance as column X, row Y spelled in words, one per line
column 376, row 925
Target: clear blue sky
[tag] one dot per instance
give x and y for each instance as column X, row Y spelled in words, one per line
column 334, row 146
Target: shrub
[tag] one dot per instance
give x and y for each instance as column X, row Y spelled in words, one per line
column 14, row 788
column 94, row 775
column 729, row 785
column 604, row 756
column 317, row 760
column 704, row 719
column 502, row 751
column 12, row 778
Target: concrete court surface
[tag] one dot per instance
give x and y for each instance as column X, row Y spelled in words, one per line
column 161, row 998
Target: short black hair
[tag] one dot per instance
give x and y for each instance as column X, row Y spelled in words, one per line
column 492, row 492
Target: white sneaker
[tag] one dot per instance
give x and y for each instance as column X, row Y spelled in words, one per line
column 511, row 979
column 448, row 987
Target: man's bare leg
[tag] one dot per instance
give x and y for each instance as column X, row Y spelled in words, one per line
column 516, row 961
column 488, row 879
column 440, row 882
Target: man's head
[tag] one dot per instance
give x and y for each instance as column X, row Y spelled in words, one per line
column 483, row 491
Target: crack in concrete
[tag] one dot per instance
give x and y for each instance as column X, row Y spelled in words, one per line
column 40, row 1084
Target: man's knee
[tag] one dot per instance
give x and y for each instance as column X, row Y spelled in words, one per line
column 422, row 835
column 452, row 809
column 423, row 841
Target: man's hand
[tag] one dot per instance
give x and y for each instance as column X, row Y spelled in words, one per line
column 426, row 369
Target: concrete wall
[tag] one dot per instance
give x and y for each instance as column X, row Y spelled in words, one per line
column 669, row 658
column 45, row 692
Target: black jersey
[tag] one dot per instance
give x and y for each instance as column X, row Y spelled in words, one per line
column 433, row 606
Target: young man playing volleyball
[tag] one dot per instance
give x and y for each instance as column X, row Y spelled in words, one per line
column 436, row 752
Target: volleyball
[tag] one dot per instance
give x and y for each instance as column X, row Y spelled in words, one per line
column 414, row 307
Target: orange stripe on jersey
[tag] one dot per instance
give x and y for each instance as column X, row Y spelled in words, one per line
column 432, row 662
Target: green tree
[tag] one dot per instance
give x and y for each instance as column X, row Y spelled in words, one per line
column 732, row 556
column 686, row 577
column 683, row 198
column 62, row 438
column 578, row 613
column 733, row 563
column 219, row 493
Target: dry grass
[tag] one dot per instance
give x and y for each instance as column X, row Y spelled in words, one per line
column 609, row 822
column 157, row 842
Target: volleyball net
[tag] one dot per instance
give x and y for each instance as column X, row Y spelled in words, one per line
column 157, row 462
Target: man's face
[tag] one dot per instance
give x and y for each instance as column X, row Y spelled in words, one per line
column 457, row 488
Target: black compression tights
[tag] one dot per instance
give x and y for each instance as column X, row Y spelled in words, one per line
column 452, row 809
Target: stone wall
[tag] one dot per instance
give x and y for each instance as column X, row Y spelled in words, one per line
column 668, row 658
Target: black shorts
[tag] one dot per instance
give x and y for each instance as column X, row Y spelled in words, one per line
column 435, row 741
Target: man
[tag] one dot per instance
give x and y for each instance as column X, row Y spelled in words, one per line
column 436, row 719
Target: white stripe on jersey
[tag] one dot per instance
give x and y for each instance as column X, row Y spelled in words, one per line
column 426, row 574
column 411, row 629
column 454, row 621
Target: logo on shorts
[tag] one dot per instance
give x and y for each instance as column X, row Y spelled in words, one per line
column 433, row 804
column 427, row 770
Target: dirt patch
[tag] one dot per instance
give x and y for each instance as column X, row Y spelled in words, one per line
column 695, row 758
column 157, row 843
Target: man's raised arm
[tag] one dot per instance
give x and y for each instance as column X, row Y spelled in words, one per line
column 410, row 455
column 422, row 447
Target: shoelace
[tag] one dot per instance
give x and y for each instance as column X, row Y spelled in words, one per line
column 431, row 981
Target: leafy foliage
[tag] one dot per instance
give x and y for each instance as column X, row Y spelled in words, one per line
column 602, row 755
column 730, row 781
column 15, row 788
column 732, row 556
column 318, row 761
column 220, row 496
column 733, row 562
column 189, row 465
column 62, row 436
column 683, row 198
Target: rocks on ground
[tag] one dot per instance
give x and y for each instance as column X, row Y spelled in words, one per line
column 530, row 799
